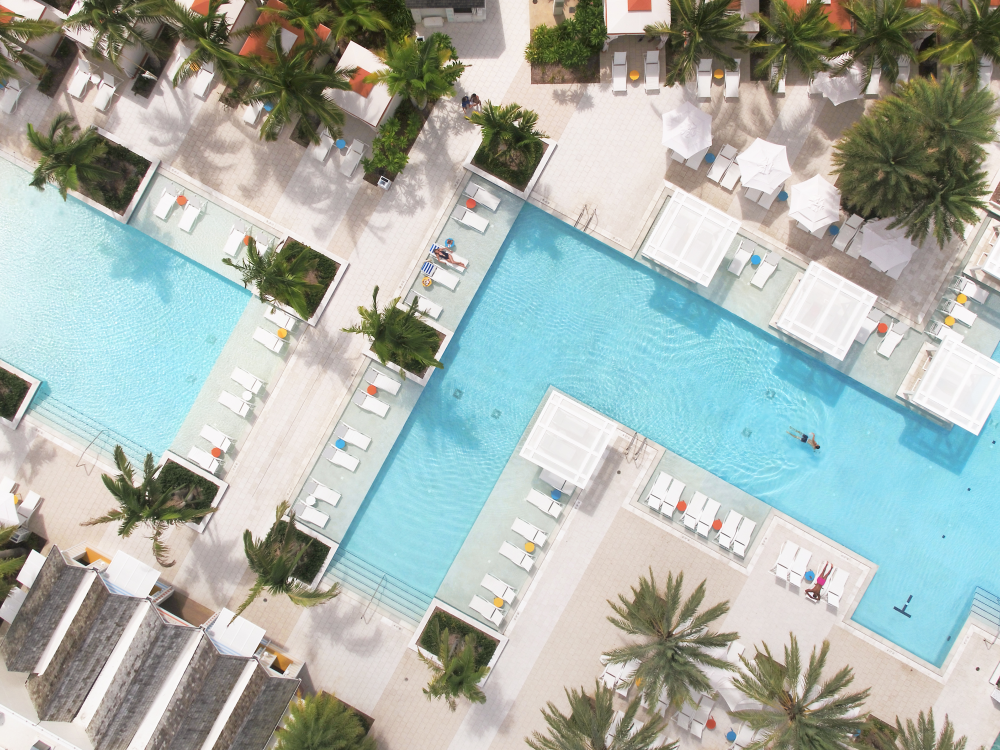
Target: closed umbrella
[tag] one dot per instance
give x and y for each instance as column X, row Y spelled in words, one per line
column 888, row 249
column 722, row 682
column 839, row 89
column 687, row 130
column 814, row 203
column 764, row 166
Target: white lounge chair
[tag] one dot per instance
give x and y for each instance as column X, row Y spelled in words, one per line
column 868, row 325
column 707, row 517
column 248, row 381
column 766, row 200
column 798, row 569
column 655, row 497
column 482, row 196
column 349, row 435
column 892, row 338
column 781, row 81
column 742, row 538
column 835, row 587
column 728, row 530
column 985, row 72
column 873, row 83
column 731, row 177
column 498, row 588
column 382, row 381
column 699, row 720
column 7, row 486
column 163, row 206
column 696, row 159
column 673, row 496
column 105, row 92
column 556, row 482
column 753, row 194
column 319, row 151
column 353, row 157
column 486, row 609
column 470, row 219
column 517, row 555
column 529, row 531
column 733, row 81
column 192, row 210
column 324, row 493
column 440, row 275
column 745, row 736
column 544, row 503
column 27, row 507
column 204, row 459
column 764, row 271
column 268, row 339
column 203, row 80
column 785, row 559
column 341, row 458
column 903, row 64
column 235, row 240
column 280, row 318
column 847, row 232
column 78, row 83
column 424, row 305
column 694, row 510
column 234, row 403
column 11, row 93
column 456, row 261
column 616, row 720
column 735, row 651
column 937, row 330
column 705, row 78
column 619, row 72
column 740, row 260
column 216, row 438
column 972, row 290
column 652, row 69
column 252, row 112
column 370, row 403
column 959, row 312
column 310, row 515
column 722, row 162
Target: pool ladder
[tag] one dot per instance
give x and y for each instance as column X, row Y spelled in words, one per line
column 639, row 449
column 583, row 214
column 380, row 587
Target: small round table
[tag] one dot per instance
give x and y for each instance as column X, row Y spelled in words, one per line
column 310, row 501
column 717, row 524
column 634, row 75
column 246, row 239
column 426, row 281
column 834, row 230
column 710, row 157
column 529, row 546
column 949, row 321
column 371, row 390
column 961, row 299
column 810, row 576
column 470, row 204
column 731, row 735
column 555, row 494
column 182, row 200
column 718, row 74
column 710, row 724
column 340, row 443
column 755, row 259
column 217, row 452
column 282, row 333
column 268, row 106
column 882, row 328
column 247, row 395
column 340, row 143
column 95, row 79
column 782, row 196
column 497, row 602
column 682, row 506
column 449, row 243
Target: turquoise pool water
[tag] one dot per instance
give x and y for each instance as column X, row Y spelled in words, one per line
column 122, row 330
column 559, row 308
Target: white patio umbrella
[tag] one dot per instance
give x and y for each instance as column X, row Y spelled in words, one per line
column 687, row 130
column 814, row 203
column 722, row 681
column 839, row 89
column 888, row 249
column 764, row 166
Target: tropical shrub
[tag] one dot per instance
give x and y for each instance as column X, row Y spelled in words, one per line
column 312, row 561
column 790, row 37
column 884, row 31
column 388, row 149
column 202, row 491
column 421, row 71
column 698, row 29
column 12, row 392
column 278, row 277
column 321, row 722
column 968, row 32
column 454, row 672
column 512, row 145
column 573, row 42
column 399, row 17
column 118, row 191
column 11, row 561
column 321, row 274
column 485, row 645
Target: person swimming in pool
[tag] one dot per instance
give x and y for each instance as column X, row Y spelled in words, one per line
column 809, row 439
column 443, row 254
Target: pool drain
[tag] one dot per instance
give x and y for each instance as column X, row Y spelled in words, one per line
column 495, row 414
column 747, row 432
column 457, row 394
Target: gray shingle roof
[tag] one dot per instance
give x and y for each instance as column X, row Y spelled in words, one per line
column 258, row 711
column 420, row 4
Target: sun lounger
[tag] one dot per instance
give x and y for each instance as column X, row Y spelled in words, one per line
column 252, row 112
column 216, row 438
column 456, row 261
column 892, row 338
column 341, row 458
column 280, row 318
column 872, row 88
column 424, row 305
column 105, row 92
column 204, row 459
column 11, row 93
column 742, row 538
column 655, row 497
column 439, row 275
column 733, row 81
column 382, row 381
column 470, row 219
column 319, row 151
column 764, row 272
column 529, row 532
column 705, row 78
column 939, row 332
column 868, row 325
column 486, row 609
column 619, row 72
column 544, row 503
column 652, row 70
column 696, row 159
column 7, row 486
column 673, row 496
column 324, row 493
column 234, row 403
column 835, row 587
column 728, row 530
column 903, row 64
column 268, row 339
column 972, row 290
column 248, row 381
column 683, row 720
column 556, row 482
column 707, row 517
column 745, row 736
column 235, row 240
column 350, row 435
column 310, row 515
column 766, row 200
column 192, row 210
column 785, row 559
column 27, row 507
column 625, row 683
column 722, row 162
column 517, row 555
column 798, row 569
column 699, row 720
column 959, row 312
column 81, row 77
column 352, row 158
column 740, row 260
column 203, row 80
column 731, row 177
column 498, row 588
column 370, row 403
column 482, row 196
column 694, row 510
column 167, row 201
column 847, row 232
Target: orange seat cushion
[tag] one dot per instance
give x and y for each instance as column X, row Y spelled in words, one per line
column 640, row 5
column 358, row 84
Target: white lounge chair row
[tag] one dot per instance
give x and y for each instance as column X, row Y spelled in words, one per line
column 764, row 199
column 764, row 271
column 735, row 533
column 651, row 69
column 848, row 231
column 619, row 677
column 481, row 196
column 85, row 74
column 792, row 563
column 693, row 718
column 724, row 169
column 700, row 514
column 694, row 161
column 959, row 312
column 704, row 78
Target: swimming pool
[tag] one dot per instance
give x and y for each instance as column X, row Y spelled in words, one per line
column 122, row 330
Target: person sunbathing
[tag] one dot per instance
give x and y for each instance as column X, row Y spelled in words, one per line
column 814, row 592
column 445, row 256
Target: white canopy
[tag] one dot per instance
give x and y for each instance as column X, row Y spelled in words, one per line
column 839, row 89
column 568, row 439
column 239, row 636
column 960, row 385
column 687, row 130
column 691, row 238
column 888, row 249
column 814, row 203
column 826, row 311
column 131, row 576
column 764, row 166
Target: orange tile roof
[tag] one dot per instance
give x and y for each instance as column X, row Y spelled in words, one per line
column 834, row 10
column 257, row 45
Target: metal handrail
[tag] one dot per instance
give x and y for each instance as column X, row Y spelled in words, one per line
column 79, row 460
column 583, row 211
column 372, row 600
column 639, row 451
column 635, row 436
column 593, row 215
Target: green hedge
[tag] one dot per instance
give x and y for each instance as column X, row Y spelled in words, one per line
column 572, row 42
column 325, row 271
column 311, row 561
column 12, row 392
column 176, row 476
column 117, row 192
column 519, row 177
column 397, row 14
column 485, row 645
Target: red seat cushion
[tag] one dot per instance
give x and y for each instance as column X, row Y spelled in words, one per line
column 358, row 84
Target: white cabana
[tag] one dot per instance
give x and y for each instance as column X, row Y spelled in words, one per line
column 764, row 166
column 814, row 203
column 131, row 576
column 826, row 311
column 691, row 238
column 961, row 386
column 568, row 439
column 687, row 130
column 888, row 249
column 839, row 89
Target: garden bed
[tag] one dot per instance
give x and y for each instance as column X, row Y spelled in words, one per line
column 410, row 122
column 204, row 491
column 323, row 274
column 312, row 561
column 55, row 72
column 13, row 390
column 299, row 133
column 518, row 171
column 116, row 193
column 485, row 645
column 589, row 72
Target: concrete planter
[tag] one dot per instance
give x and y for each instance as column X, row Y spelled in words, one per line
column 522, row 194
column 341, row 270
column 314, row 584
column 436, row 604
column 195, row 469
column 430, row 370
column 33, row 385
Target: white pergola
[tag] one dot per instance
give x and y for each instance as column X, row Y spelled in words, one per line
column 131, row 576
column 691, row 238
column 568, row 439
column 961, row 386
column 235, row 636
column 826, row 311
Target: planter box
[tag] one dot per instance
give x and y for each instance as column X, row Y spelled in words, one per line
column 475, row 624
column 195, row 469
column 430, row 370
column 33, row 385
column 323, row 540
column 341, row 270
column 522, row 194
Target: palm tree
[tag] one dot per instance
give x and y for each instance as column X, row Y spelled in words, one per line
column 884, row 32
column 798, row 711
column 67, row 159
column 675, row 637
column 149, row 504
column 115, row 24
column 699, row 28
column 321, row 722
column 356, row 16
column 290, row 83
column 509, row 132
column 274, row 559
column 454, row 673
column 208, row 32
column 802, row 38
column 922, row 735
column 423, row 71
column 969, row 32
column 590, row 721
column 15, row 32
column 307, row 15
column 397, row 334
column 954, row 203
column 10, row 562
column 277, row 279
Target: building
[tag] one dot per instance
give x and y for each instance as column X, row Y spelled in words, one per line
column 435, row 13
column 367, row 102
